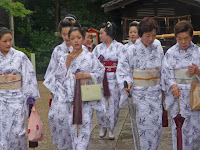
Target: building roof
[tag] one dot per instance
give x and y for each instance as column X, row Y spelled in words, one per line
column 93, row 30
column 114, row 4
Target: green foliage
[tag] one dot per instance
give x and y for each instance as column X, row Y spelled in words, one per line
column 92, row 16
column 42, row 44
column 36, row 32
column 16, row 9
column 25, row 51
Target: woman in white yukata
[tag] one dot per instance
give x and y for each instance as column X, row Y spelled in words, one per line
column 182, row 58
column 132, row 33
column 64, row 26
column 62, row 83
column 18, row 85
column 108, row 52
column 54, row 116
column 140, row 66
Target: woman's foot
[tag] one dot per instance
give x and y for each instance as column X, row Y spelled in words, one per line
column 102, row 132
column 111, row 135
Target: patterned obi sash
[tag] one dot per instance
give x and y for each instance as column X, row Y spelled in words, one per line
column 146, row 78
column 110, row 66
column 182, row 76
column 10, row 81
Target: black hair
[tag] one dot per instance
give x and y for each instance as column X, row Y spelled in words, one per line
column 147, row 25
column 75, row 29
column 72, row 16
column 73, row 19
column 64, row 23
column 84, row 31
column 183, row 26
column 132, row 24
column 4, row 30
column 110, row 29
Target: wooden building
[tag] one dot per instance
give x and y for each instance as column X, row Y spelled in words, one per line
column 166, row 12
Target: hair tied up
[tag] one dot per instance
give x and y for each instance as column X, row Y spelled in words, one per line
column 69, row 18
column 109, row 24
column 3, row 28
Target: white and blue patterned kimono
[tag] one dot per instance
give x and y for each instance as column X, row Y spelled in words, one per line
column 177, row 58
column 147, row 99
column 111, row 53
column 61, row 84
column 58, row 52
column 128, row 44
column 13, row 103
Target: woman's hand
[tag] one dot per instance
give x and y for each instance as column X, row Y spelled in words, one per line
column 194, row 69
column 175, row 90
column 70, row 57
column 81, row 75
column 127, row 90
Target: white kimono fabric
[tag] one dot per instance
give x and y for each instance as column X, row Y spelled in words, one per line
column 128, row 44
column 62, row 84
column 13, row 106
column 58, row 52
column 111, row 53
column 147, row 99
column 177, row 58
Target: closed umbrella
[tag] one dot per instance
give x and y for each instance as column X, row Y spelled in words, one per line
column 132, row 112
column 179, row 123
column 77, row 111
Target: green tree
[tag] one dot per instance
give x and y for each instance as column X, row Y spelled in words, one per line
column 15, row 9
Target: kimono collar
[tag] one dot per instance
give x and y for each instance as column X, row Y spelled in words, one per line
column 64, row 46
column 10, row 52
column 113, row 42
column 191, row 47
column 153, row 46
column 130, row 42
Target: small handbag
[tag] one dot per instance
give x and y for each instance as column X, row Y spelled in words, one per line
column 195, row 95
column 35, row 126
column 91, row 92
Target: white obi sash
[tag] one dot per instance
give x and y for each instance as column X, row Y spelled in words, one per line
column 146, row 78
column 182, row 76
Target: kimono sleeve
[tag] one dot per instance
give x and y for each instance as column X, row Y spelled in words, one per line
column 97, row 69
column 167, row 73
column 52, row 64
column 29, row 81
column 124, row 70
column 59, row 74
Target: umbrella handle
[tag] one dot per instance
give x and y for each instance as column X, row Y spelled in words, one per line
column 77, row 130
column 178, row 105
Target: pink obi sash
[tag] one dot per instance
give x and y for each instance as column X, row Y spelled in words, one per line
column 10, row 81
column 110, row 66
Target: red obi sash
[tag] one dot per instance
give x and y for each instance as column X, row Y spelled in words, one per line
column 111, row 66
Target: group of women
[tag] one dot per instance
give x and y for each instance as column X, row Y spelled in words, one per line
column 141, row 62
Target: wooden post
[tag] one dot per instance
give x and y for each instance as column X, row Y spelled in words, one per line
column 32, row 57
column 57, row 13
column 12, row 28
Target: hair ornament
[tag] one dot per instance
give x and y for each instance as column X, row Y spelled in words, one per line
column 3, row 28
column 69, row 18
column 136, row 22
column 109, row 24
